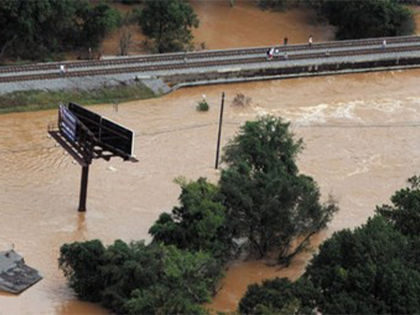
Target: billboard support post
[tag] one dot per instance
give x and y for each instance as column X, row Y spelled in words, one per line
column 83, row 188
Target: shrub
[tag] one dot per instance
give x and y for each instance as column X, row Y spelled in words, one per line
column 203, row 106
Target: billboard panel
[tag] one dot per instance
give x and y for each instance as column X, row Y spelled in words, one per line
column 112, row 135
column 88, row 118
column 117, row 136
column 68, row 123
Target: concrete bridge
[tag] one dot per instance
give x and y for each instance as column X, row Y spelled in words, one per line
column 164, row 72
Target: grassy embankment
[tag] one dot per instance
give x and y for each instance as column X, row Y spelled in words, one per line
column 40, row 99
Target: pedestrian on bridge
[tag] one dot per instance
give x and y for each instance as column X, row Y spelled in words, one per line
column 384, row 44
column 63, row 69
column 270, row 53
column 310, row 40
column 285, row 41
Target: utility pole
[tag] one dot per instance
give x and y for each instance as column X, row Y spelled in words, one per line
column 220, row 130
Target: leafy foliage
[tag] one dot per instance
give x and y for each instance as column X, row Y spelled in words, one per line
column 368, row 271
column 139, row 279
column 80, row 263
column 203, row 106
column 271, row 4
column 198, row 223
column 169, row 24
column 368, row 18
column 374, row 269
column 405, row 212
column 279, row 296
column 36, row 29
column 268, row 201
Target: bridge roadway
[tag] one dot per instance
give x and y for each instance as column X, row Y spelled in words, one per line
column 219, row 66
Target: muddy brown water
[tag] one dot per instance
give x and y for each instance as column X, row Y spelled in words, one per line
column 361, row 134
column 222, row 27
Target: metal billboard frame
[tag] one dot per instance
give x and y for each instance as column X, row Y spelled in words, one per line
column 79, row 132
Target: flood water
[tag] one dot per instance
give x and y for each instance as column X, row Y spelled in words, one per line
column 361, row 134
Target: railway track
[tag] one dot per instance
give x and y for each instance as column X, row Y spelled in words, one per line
column 206, row 59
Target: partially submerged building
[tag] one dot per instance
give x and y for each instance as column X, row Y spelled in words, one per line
column 15, row 275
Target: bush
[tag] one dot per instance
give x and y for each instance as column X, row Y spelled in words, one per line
column 203, row 106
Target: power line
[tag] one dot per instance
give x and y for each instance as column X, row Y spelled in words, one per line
column 407, row 124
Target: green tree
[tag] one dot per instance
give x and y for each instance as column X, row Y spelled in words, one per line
column 95, row 21
column 186, row 280
column 140, row 279
column 198, row 224
column 268, row 201
column 81, row 263
column 368, row 18
column 374, row 269
column 169, row 24
column 371, row 270
column 37, row 29
column 280, row 296
column 271, row 4
column 405, row 212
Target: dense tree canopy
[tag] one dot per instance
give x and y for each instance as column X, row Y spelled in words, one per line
column 36, row 29
column 367, row 18
column 373, row 269
column 198, row 223
column 405, row 211
column 169, row 24
column 139, row 279
column 369, row 271
column 279, row 296
column 268, row 201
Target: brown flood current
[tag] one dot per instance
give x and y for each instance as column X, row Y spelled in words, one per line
column 361, row 134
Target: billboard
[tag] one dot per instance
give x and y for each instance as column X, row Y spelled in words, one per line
column 68, row 123
column 112, row 135
column 117, row 136
column 88, row 118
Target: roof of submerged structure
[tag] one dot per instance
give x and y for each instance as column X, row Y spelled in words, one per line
column 15, row 275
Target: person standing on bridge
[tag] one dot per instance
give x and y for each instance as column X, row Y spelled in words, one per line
column 310, row 40
column 63, row 69
column 270, row 53
column 384, row 44
column 285, row 41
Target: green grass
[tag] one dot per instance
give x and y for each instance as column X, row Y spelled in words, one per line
column 40, row 99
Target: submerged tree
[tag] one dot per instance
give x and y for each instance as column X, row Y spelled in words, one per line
column 368, row 18
column 280, row 296
column 169, row 24
column 198, row 223
column 405, row 212
column 38, row 29
column 374, row 269
column 371, row 270
column 140, row 279
column 268, row 201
